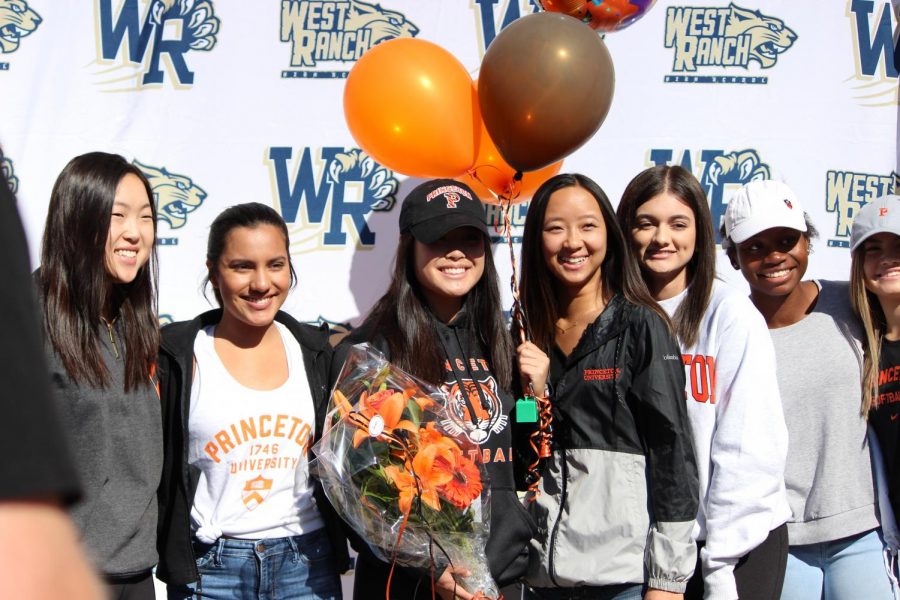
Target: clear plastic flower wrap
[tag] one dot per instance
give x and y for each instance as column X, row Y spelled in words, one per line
column 417, row 494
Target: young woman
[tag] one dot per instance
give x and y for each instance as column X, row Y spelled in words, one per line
column 875, row 295
column 835, row 539
column 244, row 394
column 441, row 320
column 618, row 497
column 97, row 284
column 740, row 438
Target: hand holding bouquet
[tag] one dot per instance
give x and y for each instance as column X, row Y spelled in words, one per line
column 409, row 488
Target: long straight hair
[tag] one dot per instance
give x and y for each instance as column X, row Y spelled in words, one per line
column 868, row 308
column 701, row 269
column 76, row 287
column 619, row 273
column 402, row 316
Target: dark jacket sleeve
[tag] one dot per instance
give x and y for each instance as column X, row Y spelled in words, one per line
column 37, row 460
column 657, row 397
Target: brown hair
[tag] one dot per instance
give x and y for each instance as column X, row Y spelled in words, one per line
column 702, row 267
column 868, row 308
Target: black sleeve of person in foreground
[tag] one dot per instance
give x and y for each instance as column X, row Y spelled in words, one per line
column 34, row 455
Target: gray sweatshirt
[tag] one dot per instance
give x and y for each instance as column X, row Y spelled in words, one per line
column 829, row 472
column 116, row 443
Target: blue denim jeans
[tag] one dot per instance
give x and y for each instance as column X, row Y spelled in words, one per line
column 296, row 568
column 845, row 569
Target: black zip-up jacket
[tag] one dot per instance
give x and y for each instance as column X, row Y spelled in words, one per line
column 472, row 389
column 177, row 563
column 619, row 495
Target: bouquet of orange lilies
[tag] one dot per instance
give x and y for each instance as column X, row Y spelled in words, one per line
column 409, row 488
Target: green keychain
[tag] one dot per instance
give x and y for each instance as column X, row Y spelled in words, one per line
column 526, row 410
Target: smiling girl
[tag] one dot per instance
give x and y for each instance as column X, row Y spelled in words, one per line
column 732, row 393
column 244, row 396
column 875, row 294
column 618, row 496
column 834, row 532
column 97, row 283
column 441, row 320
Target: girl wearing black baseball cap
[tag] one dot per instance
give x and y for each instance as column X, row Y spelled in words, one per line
column 441, row 320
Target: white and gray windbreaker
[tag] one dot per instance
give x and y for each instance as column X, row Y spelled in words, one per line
column 619, row 496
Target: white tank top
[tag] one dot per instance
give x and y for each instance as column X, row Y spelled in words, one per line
column 251, row 449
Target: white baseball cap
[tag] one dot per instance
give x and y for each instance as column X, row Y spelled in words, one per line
column 760, row 205
column 879, row 216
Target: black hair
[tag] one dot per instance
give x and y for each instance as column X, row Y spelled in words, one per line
column 619, row 271
column 76, row 287
column 250, row 214
column 403, row 317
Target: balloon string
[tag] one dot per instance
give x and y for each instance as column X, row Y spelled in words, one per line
column 540, row 440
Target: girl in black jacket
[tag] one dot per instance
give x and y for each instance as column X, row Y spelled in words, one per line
column 441, row 321
column 619, row 493
column 244, row 397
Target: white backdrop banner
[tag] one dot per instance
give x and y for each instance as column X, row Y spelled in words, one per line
column 221, row 102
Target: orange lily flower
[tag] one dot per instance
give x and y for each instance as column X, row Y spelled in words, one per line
column 429, row 464
column 389, row 405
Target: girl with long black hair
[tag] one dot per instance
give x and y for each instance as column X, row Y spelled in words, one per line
column 97, row 284
column 618, row 496
column 441, row 320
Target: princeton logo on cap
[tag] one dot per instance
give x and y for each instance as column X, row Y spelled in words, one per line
column 882, row 212
column 788, row 203
column 451, row 194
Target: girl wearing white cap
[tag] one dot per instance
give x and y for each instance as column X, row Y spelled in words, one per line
column 875, row 294
column 834, row 532
column 732, row 393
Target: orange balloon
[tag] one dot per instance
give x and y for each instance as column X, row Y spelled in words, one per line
column 412, row 106
column 491, row 173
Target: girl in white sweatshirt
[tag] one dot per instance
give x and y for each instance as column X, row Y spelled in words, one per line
column 740, row 437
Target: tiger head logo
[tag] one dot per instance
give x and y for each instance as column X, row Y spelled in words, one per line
column 730, row 171
column 175, row 195
column 379, row 185
column 202, row 26
column 488, row 417
column 739, row 167
column 6, row 167
column 769, row 36
column 384, row 24
column 17, row 20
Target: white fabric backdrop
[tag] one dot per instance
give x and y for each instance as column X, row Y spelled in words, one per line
column 219, row 107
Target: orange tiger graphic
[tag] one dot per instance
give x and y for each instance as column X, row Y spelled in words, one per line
column 487, row 419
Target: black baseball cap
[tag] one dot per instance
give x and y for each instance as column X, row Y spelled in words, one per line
column 438, row 206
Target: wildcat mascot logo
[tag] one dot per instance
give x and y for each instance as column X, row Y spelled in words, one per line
column 488, row 417
column 724, row 37
column 846, row 192
column 721, row 174
column 876, row 53
column 147, row 39
column 6, row 167
column 176, row 196
column 17, row 20
column 345, row 184
column 335, row 32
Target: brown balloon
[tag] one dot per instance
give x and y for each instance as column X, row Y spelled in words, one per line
column 545, row 86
